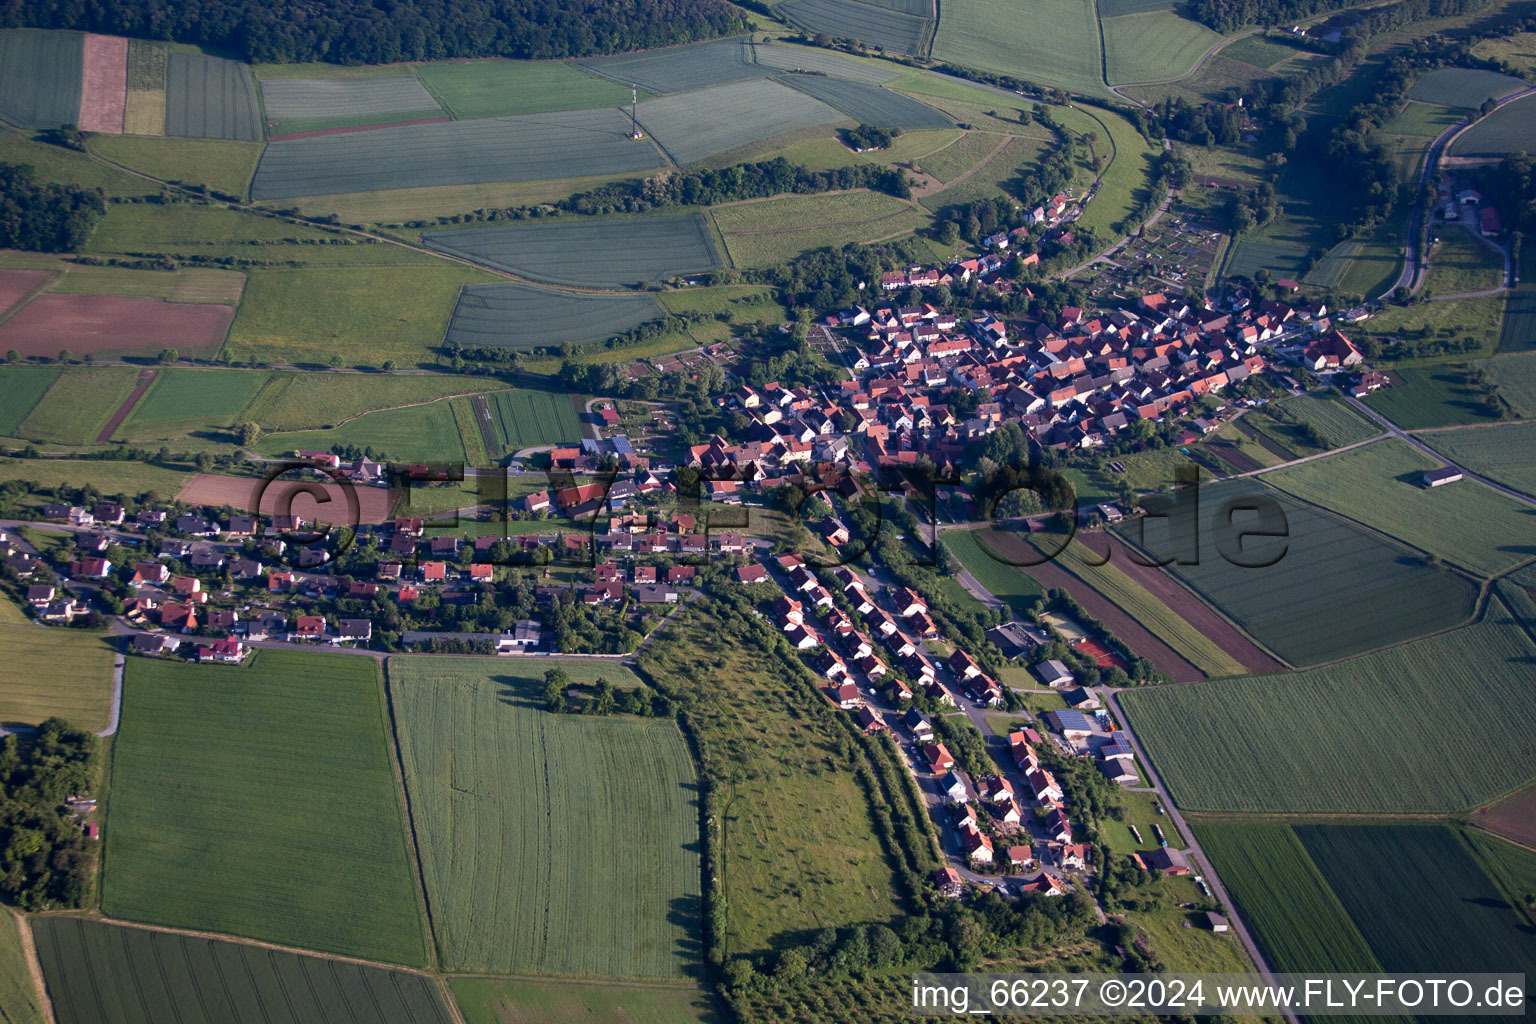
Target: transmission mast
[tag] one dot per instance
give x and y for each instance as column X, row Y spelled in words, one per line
column 634, row 121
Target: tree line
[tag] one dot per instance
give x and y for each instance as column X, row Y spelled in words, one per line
column 42, row 217
column 44, row 862
column 358, row 32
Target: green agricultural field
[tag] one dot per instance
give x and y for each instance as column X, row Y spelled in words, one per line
column 1515, row 377
column 1519, row 334
column 507, row 795
column 591, row 253
column 78, row 405
column 144, row 106
column 108, row 476
column 1463, row 87
column 1354, row 737
column 1446, row 914
column 761, row 234
column 497, row 1001
column 875, row 24
column 1442, row 395
column 744, row 302
column 1365, row 266
column 260, row 800
column 799, row 843
column 211, row 98
column 1379, row 485
column 400, row 206
column 1153, row 46
column 536, row 147
column 1259, row 50
column 524, row 418
column 1017, row 590
column 40, row 76
column 1327, row 572
column 195, row 284
column 1163, row 622
column 1297, row 919
column 1057, row 44
column 306, row 401
column 1124, row 181
column 1512, row 868
column 200, row 230
column 21, row 388
column 1428, row 119
column 1461, row 264
column 870, row 104
column 1003, row 170
column 182, row 400
column 1510, row 129
column 18, row 992
column 66, row 166
column 53, row 670
column 496, row 88
column 1336, row 421
column 223, row 165
column 961, row 156
column 418, row 433
column 1501, row 453
column 788, row 57
column 359, row 316
column 695, row 125
column 516, row 316
column 113, row 974
column 292, row 102
column 679, row 68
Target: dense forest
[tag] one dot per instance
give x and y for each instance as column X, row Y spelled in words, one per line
column 1511, row 184
column 45, row 218
column 1229, row 15
column 359, row 32
column 44, row 862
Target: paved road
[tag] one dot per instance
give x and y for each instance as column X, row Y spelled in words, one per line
column 1203, row 863
column 1397, row 431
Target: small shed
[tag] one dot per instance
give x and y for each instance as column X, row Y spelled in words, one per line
column 1216, row 921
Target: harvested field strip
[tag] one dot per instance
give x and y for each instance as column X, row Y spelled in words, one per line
column 104, row 89
column 1353, row 737
column 1329, row 590
column 40, row 77
column 1446, row 914
column 521, row 317
column 764, row 233
column 1263, row 440
column 260, row 800
column 1513, row 817
column 847, row 19
column 502, row 790
column 21, row 388
column 498, row 1001
column 531, row 148
column 100, row 973
column 99, row 324
column 1381, row 486
column 598, row 253
column 1297, row 918
column 788, row 57
column 680, row 68
column 1128, row 631
column 195, row 285
column 144, row 111
column 869, row 104
column 210, row 98
column 695, row 125
column 374, row 504
column 294, row 99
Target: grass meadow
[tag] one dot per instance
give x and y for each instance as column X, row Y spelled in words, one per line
column 1379, row 485
column 1461, row 264
column 1501, row 453
column 1057, row 45
column 221, row 164
column 1367, row 735
column 1153, row 46
column 21, row 388
column 550, row 843
column 1017, row 590
column 1515, row 377
column 183, row 400
column 54, row 670
column 108, row 476
column 498, row 1000
column 497, row 88
column 79, row 404
column 417, row 433
column 298, row 401
column 760, row 234
column 18, row 992
column 1124, row 180
column 799, row 843
column 1437, row 395
column 1295, row 595
column 1519, row 333
column 261, row 801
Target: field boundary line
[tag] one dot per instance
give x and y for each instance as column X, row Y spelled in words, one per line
column 141, row 385
column 397, row 764
column 34, row 965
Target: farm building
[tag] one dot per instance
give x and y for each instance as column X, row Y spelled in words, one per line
column 1443, row 475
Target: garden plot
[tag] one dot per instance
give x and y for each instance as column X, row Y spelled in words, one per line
column 787, row 57
column 40, row 77
column 593, row 252
column 871, row 24
column 700, row 124
column 870, row 104
column 531, row 148
column 553, row 843
column 680, row 68
column 210, row 98
column 521, row 317
column 111, row 974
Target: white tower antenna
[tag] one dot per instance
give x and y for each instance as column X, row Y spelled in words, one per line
column 634, row 121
